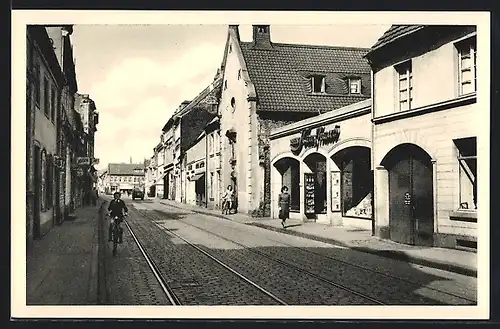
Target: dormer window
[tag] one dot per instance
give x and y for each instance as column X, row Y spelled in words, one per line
column 317, row 84
column 355, row 86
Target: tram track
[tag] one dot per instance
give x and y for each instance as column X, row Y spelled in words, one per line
column 169, row 292
column 339, row 261
column 154, row 217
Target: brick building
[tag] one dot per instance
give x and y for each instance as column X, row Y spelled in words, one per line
column 267, row 85
column 425, row 120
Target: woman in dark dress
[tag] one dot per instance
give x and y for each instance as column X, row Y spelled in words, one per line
column 284, row 205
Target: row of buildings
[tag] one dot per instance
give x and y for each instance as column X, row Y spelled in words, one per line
column 383, row 138
column 60, row 131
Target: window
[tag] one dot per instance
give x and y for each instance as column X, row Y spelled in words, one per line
column 46, row 99
column 318, row 84
column 467, row 73
column 467, row 161
column 262, row 29
column 239, row 74
column 355, row 86
column 48, row 182
column 202, row 164
column 405, row 86
column 53, row 104
column 225, row 84
column 43, row 180
column 230, row 48
column 36, row 78
column 190, row 167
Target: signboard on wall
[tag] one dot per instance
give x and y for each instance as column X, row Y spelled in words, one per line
column 322, row 137
column 335, row 191
column 309, row 194
column 83, row 161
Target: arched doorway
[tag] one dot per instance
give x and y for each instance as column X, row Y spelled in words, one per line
column 315, row 201
column 411, row 209
column 356, row 181
column 289, row 169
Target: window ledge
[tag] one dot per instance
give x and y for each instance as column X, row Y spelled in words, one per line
column 464, row 215
column 456, row 102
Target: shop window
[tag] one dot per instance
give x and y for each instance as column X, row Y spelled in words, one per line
column 467, row 163
column 356, row 183
column 467, row 73
column 355, row 86
column 318, row 84
column 405, row 85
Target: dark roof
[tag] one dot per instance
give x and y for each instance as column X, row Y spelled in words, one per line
column 281, row 76
column 393, row 33
column 125, row 169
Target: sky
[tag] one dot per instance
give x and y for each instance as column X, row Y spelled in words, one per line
column 138, row 75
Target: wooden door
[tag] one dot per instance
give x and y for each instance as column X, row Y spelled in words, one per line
column 400, row 221
column 411, row 201
column 422, row 203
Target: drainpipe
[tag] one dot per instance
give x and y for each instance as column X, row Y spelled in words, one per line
column 372, row 125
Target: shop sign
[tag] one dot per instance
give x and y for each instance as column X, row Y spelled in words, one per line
column 322, row 137
column 83, row 161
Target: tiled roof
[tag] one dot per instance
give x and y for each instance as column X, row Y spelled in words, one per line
column 125, row 169
column 281, row 76
column 393, row 33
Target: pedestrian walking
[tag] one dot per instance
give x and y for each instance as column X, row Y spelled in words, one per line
column 227, row 200
column 284, row 205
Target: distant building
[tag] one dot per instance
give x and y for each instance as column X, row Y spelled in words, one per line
column 125, row 177
column 425, row 135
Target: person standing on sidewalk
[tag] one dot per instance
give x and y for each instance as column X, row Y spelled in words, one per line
column 284, row 205
column 227, row 200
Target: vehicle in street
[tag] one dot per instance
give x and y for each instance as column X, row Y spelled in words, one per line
column 137, row 194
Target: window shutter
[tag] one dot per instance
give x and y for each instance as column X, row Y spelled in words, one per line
column 323, row 84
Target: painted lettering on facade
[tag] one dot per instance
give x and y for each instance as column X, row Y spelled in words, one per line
column 322, row 137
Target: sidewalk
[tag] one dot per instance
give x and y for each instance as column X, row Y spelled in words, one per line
column 62, row 267
column 458, row 261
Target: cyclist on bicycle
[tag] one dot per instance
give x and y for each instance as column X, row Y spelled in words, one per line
column 118, row 208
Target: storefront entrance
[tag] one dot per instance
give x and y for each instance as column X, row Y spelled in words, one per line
column 411, row 215
column 315, row 201
column 289, row 169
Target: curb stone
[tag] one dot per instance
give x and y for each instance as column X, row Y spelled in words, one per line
column 391, row 254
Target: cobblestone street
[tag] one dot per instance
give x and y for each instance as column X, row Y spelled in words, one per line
column 253, row 266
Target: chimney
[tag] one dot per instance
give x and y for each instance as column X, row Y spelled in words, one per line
column 262, row 37
column 236, row 30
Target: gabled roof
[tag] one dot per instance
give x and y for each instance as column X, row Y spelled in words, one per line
column 281, row 76
column 125, row 169
column 393, row 33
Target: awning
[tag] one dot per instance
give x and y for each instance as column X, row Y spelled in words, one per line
column 196, row 177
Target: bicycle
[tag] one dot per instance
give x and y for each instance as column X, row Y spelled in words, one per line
column 117, row 231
